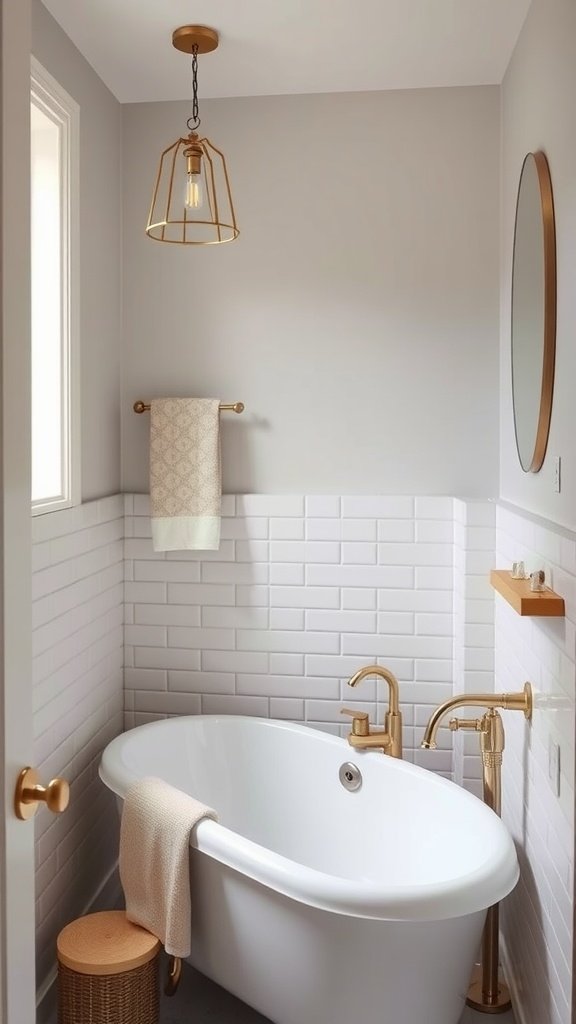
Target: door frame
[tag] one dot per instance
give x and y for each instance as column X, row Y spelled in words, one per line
column 17, row 919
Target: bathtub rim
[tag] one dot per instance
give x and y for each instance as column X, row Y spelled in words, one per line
column 467, row 894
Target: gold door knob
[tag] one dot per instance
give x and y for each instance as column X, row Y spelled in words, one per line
column 29, row 793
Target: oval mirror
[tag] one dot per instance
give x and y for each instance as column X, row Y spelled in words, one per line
column 533, row 312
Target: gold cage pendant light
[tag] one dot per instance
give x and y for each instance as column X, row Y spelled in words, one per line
column 192, row 202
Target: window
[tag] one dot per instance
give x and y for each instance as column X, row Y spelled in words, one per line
column 54, row 286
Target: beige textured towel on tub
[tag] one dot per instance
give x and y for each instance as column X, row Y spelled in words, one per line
column 157, row 821
column 185, row 478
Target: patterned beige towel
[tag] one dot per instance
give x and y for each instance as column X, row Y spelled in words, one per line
column 157, row 821
column 185, row 480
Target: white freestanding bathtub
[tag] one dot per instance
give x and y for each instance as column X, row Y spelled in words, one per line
column 313, row 903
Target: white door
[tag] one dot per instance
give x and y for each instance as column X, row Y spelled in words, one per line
column 17, row 983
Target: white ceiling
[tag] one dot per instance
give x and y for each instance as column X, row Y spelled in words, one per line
column 268, row 47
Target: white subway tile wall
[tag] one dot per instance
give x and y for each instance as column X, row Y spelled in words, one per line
column 304, row 591
column 474, row 537
column 78, row 703
column 538, row 915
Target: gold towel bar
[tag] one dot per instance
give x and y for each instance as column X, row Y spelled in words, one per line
column 238, row 407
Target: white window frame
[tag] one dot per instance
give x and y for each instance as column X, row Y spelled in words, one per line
column 49, row 96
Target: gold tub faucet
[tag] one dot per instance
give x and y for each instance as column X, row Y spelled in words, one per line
column 521, row 701
column 388, row 739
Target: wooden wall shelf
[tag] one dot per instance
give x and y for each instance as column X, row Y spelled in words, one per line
column 524, row 600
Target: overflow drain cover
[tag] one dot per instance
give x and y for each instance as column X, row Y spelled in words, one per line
column 350, row 776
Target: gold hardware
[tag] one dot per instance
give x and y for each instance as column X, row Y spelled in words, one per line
column 476, row 997
column 375, row 739
column 173, row 975
column 29, row 793
column 464, row 723
column 487, row 993
column 388, row 739
column 187, row 37
column 238, row 407
column 360, row 726
column 521, row 701
column 193, row 155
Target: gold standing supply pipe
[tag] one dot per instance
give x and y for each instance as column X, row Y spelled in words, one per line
column 487, row 994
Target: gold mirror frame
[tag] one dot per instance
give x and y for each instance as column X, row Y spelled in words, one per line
column 549, row 340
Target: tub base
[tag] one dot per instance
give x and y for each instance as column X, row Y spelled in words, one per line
column 296, row 964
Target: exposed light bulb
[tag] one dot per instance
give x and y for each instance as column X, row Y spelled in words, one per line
column 194, row 195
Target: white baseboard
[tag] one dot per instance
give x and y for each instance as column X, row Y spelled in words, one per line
column 107, row 897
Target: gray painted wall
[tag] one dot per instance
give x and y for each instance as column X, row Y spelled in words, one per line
column 100, row 251
column 538, row 113
column 356, row 316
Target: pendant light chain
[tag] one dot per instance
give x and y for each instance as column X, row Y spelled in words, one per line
column 194, row 121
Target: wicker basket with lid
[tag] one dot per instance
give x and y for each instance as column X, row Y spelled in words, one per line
column 107, row 971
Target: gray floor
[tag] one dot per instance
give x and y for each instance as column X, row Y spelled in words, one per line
column 200, row 1001
column 470, row 1017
